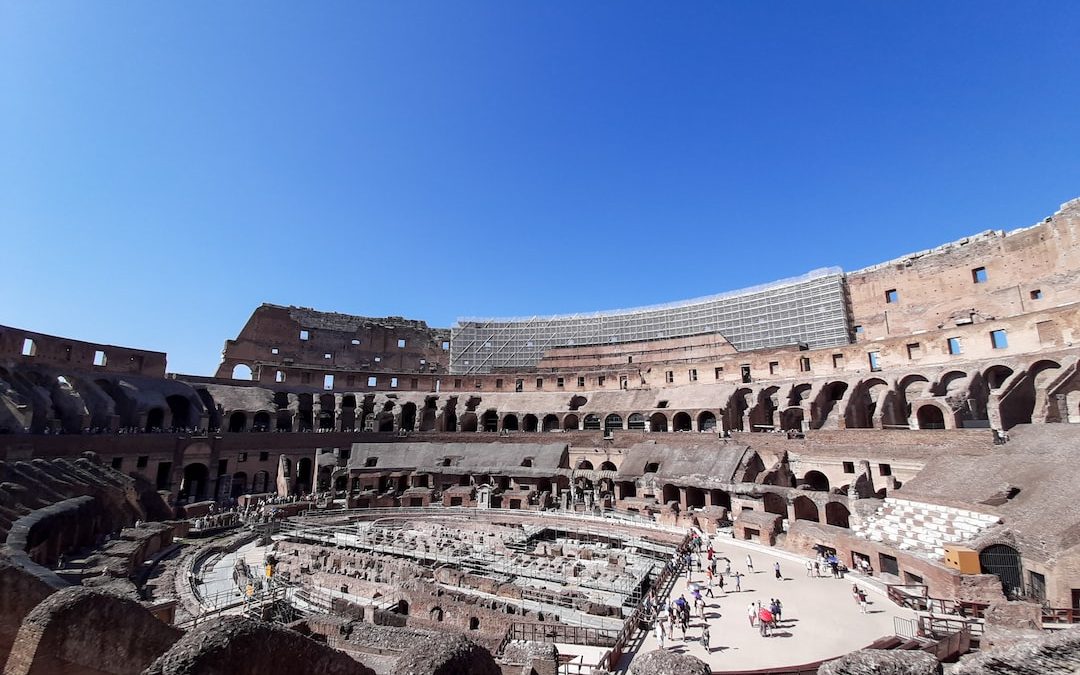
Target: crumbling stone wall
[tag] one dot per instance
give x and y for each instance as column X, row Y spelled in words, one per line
column 82, row 631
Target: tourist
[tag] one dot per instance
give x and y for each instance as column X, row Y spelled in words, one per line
column 752, row 612
column 765, row 620
column 776, row 570
column 809, row 568
column 738, row 582
column 705, row 638
column 727, row 566
column 862, row 601
column 749, row 564
column 659, row 630
column 720, row 582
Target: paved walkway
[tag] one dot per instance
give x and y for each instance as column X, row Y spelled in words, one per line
column 821, row 619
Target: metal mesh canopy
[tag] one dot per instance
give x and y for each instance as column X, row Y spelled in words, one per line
column 811, row 309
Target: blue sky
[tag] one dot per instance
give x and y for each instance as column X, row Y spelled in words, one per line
column 165, row 167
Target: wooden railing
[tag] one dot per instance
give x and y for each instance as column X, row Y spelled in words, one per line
column 1060, row 615
column 920, row 602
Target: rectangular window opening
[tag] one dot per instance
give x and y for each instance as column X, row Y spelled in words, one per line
column 581, row 382
column 774, row 367
column 1036, row 294
column 718, row 372
column 955, row 346
column 669, row 376
column 978, row 275
column 393, row 382
column 401, row 343
column 891, row 296
column 998, row 339
column 100, row 359
column 29, row 347
column 914, row 351
column 875, row 361
column 804, row 364
column 849, row 467
column 328, row 382
column 539, row 383
column 372, row 381
column 693, row 374
column 304, row 335
column 837, row 360
column 560, row 382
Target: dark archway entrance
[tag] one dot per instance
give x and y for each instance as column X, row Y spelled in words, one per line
column 931, row 417
column 681, row 422
column 1003, row 561
column 196, row 478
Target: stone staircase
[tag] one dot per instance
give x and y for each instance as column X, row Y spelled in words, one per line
column 922, row 528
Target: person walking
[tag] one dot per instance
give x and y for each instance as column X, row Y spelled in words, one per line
column 659, row 630
column 809, row 568
column 738, row 582
column 776, row 570
column 705, row 638
column 720, row 582
column 749, row 564
column 752, row 612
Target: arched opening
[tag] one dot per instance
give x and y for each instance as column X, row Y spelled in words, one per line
column 347, row 416
column 385, row 421
column 931, row 417
column 428, row 415
column 261, row 421
column 408, row 416
column 636, row 422
column 584, row 465
column 695, row 497
column 805, row 509
column 284, row 421
column 628, row 487
column 837, row 514
column 490, row 421
column 180, row 407
column 195, row 482
column 237, row 421
column 436, row 614
column 611, row 423
column 815, row 480
column 706, row 421
column 306, row 409
column 551, row 422
column 510, row 423
column 792, row 419
column 608, row 466
column 1003, row 562
column 303, row 475
column 155, row 419
column 468, row 422
column 326, row 420
column 529, row 423
column 241, row 371
column 671, row 493
column 239, row 484
column 658, row 422
column 592, row 422
column 681, row 422
column 260, row 482
column 718, row 497
column 774, row 503
column 570, row 422
column 995, row 376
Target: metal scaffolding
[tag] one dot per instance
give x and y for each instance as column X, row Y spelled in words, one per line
column 810, row 309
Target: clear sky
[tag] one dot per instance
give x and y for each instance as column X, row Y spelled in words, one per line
column 165, row 167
